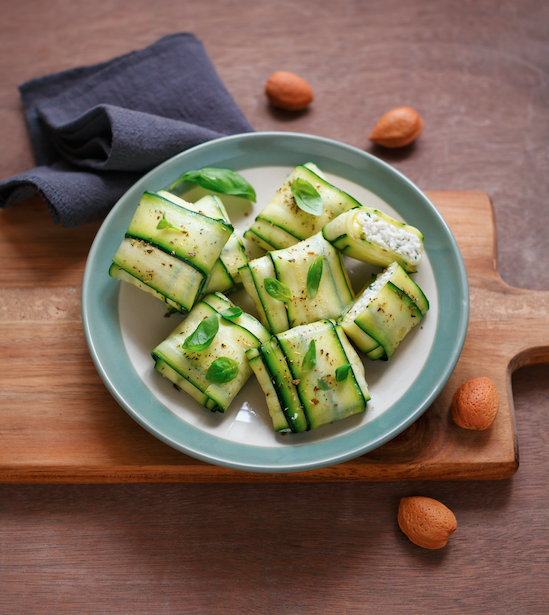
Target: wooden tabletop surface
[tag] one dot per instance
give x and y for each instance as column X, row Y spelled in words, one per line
column 478, row 73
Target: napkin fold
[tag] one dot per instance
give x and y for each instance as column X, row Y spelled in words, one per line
column 96, row 129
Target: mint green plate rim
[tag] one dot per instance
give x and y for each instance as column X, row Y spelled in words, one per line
column 102, row 327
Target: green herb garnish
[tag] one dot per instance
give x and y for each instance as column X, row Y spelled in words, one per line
column 231, row 312
column 224, row 181
column 314, row 276
column 278, row 290
column 323, row 385
column 203, row 335
column 309, row 360
column 222, row 370
column 165, row 224
column 307, row 197
column 342, row 372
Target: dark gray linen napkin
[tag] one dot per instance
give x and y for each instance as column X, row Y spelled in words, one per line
column 95, row 130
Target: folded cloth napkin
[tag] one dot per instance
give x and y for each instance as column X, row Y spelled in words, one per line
column 95, row 130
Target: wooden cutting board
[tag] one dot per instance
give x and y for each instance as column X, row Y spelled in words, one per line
column 58, row 422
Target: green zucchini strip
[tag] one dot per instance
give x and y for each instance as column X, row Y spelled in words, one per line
column 118, row 272
column 175, row 279
column 275, row 403
column 384, row 313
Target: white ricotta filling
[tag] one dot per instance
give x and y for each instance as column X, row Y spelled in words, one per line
column 391, row 237
column 370, row 292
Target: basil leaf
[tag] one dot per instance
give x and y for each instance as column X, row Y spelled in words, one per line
column 323, row 385
column 224, row 181
column 306, row 197
column 232, row 312
column 314, row 276
column 342, row 372
column 309, row 361
column 165, row 224
column 278, row 290
column 203, row 335
column 222, row 370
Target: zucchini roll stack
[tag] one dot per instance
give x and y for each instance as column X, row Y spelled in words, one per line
column 225, row 276
column 373, row 237
column 298, row 285
column 282, row 223
column 311, row 376
column 205, row 355
column 170, row 251
column 384, row 313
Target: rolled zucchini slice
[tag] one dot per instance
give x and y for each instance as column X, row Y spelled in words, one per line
column 373, row 237
column 225, row 276
column 170, row 251
column 282, row 223
column 384, row 313
column 305, row 393
column 292, row 268
column 189, row 369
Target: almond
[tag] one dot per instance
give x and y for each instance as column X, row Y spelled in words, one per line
column 397, row 128
column 475, row 404
column 288, row 91
column 426, row 522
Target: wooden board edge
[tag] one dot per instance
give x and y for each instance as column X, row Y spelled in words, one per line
column 348, row 472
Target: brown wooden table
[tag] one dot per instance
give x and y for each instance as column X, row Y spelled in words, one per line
column 478, row 74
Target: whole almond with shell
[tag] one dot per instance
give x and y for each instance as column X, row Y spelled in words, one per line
column 397, row 128
column 475, row 404
column 289, row 91
column 428, row 523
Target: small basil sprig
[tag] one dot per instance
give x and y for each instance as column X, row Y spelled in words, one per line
column 314, row 276
column 309, row 360
column 231, row 312
column 222, row 370
column 278, row 290
column 165, row 224
column 342, row 372
column 203, row 335
column 224, row 181
column 307, row 197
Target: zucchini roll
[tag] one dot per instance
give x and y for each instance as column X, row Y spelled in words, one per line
column 224, row 276
column 298, row 285
column 170, row 251
column 373, row 237
column 384, row 313
column 282, row 223
column 205, row 355
column 311, row 375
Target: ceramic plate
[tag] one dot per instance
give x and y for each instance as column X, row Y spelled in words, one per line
column 122, row 324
